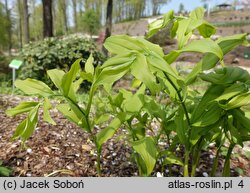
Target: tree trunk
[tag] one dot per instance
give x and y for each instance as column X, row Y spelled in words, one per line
column 47, row 18
column 8, row 27
column 108, row 22
column 26, row 22
column 75, row 14
column 64, row 11
column 20, row 34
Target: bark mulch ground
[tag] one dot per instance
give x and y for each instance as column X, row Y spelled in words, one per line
column 65, row 150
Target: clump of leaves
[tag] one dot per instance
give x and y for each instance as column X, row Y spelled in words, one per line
column 4, row 171
column 53, row 53
column 196, row 119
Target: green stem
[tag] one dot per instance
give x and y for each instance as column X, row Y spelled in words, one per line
column 215, row 163
column 180, row 98
column 226, row 169
column 91, row 94
column 195, row 160
column 196, row 156
column 186, row 172
column 98, row 165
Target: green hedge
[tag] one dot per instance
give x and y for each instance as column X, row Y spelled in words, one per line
column 52, row 53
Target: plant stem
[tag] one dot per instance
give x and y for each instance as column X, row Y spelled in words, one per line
column 91, row 94
column 186, row 172
column 180, row 98
column 98, row 165
column 215, row 164
column 226, row 169
column 196, row 156
column 195, row 160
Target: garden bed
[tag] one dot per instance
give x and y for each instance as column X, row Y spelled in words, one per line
column 65, row 150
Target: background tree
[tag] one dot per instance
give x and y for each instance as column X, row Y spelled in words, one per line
column 36, row 21
column 8, row 26
column 109, row 19
column 62, row 15
column 74, row 5
column 91, row 22
column 47, row 18
column 26, row 22
column 181, row 8
column 3, row 29
column 156, row 4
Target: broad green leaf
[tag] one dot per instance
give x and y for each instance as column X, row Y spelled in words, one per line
column 228, row 43
column 226, row 75
column 68, row 113
column 56, row 76
column 159, row 24
column 202, row 46
column 210, row 116
column 89, row 67
column 240, row 116
column 19, row 129
column 133, row 104
column 108, row 132
column 153, row 108
column 181, row 127
column 115, row 68
column 146, row 148
column 238, row 101
column 206, row 30
column 120, row 44
column 211, row 94
column 101, row 119
column 235, row 134
column 140, row 70
column 46, row 115
column 34, row 87
column 153, row 47
column 232, row 91
column 171, row 158
column 87, row 76
column 174, row 29
column 68, row 79
column 210, row 60
column 75, row 116
column 21, row 108
column 25, row 129
column 76, row 85
column 4, row 171
column 182, row 32
column 116, row 100
column 197, row 14
column 188, row 25
column 160, row 64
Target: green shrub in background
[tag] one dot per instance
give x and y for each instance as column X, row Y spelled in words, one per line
column 53, row 53
column 5, row 71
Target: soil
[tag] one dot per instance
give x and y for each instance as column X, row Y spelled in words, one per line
column 65, row 150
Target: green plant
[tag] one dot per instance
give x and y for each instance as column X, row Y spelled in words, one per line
column 53, row 53
column 4, row 171
column 191, row 120
column 91, row 22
